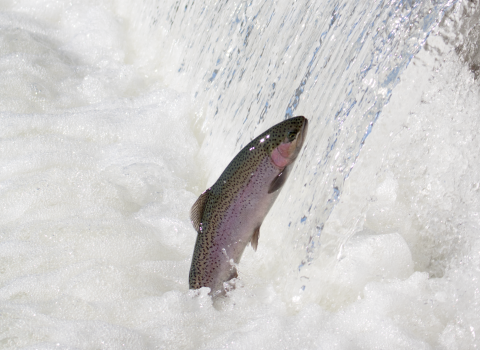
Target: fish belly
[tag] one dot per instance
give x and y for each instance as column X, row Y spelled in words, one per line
column 240, row 220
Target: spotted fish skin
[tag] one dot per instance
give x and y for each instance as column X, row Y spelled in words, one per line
column 228, row 215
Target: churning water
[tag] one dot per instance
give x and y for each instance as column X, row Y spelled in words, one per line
column 116, row 115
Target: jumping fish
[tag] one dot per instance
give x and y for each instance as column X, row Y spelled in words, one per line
column 228, row 215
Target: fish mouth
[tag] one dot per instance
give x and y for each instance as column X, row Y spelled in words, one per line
column 298, row 142
column 287, row 151
column 302, row 133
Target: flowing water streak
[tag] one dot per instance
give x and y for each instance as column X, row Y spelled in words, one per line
column 335, row 62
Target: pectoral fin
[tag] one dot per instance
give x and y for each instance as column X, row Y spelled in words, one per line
column 254, row 239
column 278, row 182
column 197, row 210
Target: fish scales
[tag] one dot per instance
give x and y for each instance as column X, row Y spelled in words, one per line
column 229, row 214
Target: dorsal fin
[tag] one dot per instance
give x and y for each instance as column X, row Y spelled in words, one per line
column 254, row 239
column 198, row 207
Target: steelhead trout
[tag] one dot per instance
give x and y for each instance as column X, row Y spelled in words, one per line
column 228, row 215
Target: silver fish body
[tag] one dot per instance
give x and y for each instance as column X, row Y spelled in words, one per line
column 228, row 215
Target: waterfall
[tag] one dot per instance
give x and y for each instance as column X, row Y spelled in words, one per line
column 253, row 64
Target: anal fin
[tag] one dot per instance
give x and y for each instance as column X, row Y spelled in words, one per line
column 233, row 274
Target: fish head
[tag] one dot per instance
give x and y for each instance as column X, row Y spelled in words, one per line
column 285, row 140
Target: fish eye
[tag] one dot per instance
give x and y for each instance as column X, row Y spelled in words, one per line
column 291, row 135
